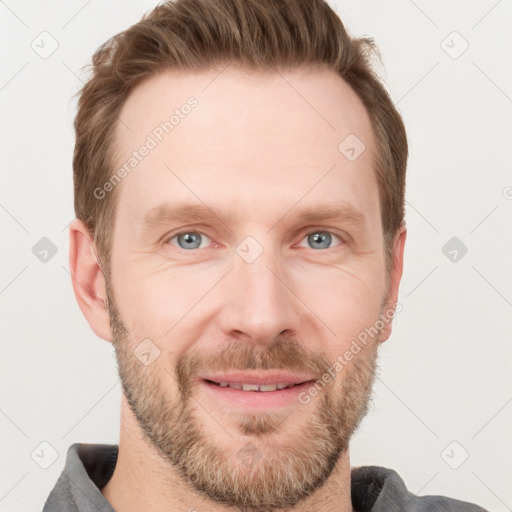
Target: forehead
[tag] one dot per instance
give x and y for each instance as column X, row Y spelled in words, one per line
column 241, row 138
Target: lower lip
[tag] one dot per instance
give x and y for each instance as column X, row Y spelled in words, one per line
column 256, row 399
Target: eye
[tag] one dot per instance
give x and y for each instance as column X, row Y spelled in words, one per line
column 321, row 239
column 189, row 240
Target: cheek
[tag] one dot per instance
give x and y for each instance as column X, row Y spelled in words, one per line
column 159, row 301
column 175, row 302
column 346, row 299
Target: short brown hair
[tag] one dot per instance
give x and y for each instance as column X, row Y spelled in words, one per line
column 204, row 34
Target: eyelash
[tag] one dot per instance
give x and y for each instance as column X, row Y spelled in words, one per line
column 317, row 230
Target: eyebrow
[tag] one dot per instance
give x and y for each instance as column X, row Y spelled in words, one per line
column 165, row 214
column 324, row 212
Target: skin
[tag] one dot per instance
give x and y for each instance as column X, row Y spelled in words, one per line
column 255, row 151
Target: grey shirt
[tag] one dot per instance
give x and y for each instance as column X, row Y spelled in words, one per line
column 89, row 467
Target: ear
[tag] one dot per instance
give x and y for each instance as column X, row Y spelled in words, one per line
column 88, row 279
column 395, row 277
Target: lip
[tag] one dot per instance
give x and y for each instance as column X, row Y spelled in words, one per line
column 259, row 377
column 256, row 400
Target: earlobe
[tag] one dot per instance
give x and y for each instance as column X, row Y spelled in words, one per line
column 394, row 279
column 88, row 280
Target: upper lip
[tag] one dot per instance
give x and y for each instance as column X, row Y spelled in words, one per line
column 259, row 377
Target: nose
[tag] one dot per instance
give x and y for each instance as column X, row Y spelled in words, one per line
column 260, row 304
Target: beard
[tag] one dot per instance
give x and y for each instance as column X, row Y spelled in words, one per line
column 276, row 467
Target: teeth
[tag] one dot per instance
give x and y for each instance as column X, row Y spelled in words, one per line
column 254, row 387
column 268, row 387
column 250, row 387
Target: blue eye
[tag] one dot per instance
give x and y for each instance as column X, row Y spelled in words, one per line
column 189, row 239
column 321, row 239
column 194, row 240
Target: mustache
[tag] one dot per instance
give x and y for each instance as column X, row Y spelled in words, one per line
column 236, row 355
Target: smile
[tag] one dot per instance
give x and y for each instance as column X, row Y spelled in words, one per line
column 253, row 387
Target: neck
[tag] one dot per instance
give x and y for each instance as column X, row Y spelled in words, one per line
column 142, row 480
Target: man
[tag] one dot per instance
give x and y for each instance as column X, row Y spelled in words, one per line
column 239, row 186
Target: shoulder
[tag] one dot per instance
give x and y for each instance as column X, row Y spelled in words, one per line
column 378, row 489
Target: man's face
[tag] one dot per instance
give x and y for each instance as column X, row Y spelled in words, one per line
column 253, row 293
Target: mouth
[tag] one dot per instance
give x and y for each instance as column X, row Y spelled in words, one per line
column 264, row 388
column 256, row 390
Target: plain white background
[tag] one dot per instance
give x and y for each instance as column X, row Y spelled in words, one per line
column 444, row 390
